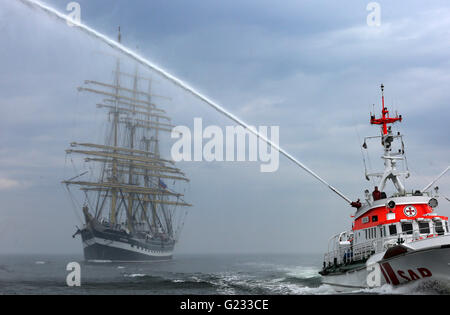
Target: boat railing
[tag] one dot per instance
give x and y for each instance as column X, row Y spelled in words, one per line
column 347, row 252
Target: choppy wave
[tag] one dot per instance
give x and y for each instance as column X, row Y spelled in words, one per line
column 282, row 280
column 135, row 275
column 291, row 281
column 189, row 276
column 160, row 282
column 300, row 280
column 421, row 287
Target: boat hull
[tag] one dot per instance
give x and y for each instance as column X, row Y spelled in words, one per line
column 424, row 264
column 118, row 247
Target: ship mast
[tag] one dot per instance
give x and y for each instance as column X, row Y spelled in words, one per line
column 112, row 218
column 390, row 158
column 132, row 172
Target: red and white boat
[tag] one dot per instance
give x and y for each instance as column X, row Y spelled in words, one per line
column 395, row 237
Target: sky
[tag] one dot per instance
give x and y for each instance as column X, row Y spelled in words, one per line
column 313, row 68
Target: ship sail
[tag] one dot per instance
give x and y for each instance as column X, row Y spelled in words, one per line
column 129, row 198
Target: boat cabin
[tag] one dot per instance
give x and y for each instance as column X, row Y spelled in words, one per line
column 384, row 223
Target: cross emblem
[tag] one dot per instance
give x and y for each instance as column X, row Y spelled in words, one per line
column 410, row 211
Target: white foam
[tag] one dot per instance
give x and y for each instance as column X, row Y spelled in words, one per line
column 99, row 261
column 229, row 282
column 135, row 275
column 302, row 272
column 420, row 287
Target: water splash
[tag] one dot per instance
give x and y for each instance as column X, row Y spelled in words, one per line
column 126, row 51
column 420, row 287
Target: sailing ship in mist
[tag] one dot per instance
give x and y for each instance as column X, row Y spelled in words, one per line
column 130, row 212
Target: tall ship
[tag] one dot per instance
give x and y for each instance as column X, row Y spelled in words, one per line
column 130, row 211
column 396, row 237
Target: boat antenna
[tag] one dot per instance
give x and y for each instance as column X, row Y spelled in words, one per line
column 385, row 120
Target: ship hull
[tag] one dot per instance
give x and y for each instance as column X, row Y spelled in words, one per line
column 421, row 265
column 117, row 247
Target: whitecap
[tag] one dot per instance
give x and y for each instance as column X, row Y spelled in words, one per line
column 135, row 275
column 302, row 272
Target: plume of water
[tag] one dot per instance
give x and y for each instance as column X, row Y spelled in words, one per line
column 126, row 51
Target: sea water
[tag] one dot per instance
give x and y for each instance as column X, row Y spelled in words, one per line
column 206, row 274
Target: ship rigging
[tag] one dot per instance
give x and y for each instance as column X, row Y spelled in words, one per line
column 133, row 213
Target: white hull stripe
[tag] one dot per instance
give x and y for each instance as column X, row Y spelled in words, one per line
column 126, row 246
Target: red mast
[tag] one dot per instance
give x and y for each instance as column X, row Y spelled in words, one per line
column 385, row 119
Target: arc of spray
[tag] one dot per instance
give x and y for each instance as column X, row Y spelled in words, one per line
column 115, row 45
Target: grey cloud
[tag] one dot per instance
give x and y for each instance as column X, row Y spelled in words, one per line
column 313, row 69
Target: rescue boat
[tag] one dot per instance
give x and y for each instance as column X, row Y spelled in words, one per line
column 397, row 237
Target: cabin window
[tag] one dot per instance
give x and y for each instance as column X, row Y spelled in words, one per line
column 446, row 226
column 383, row 231
column 439, row 228
column 407, row 227
column 390, row 216
column 424, row 228
column 375, row 218
column 392, row 230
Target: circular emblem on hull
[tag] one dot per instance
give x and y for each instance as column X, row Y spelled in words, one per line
column 410, row 211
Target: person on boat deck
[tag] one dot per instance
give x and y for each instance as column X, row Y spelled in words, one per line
column 376, row 194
